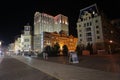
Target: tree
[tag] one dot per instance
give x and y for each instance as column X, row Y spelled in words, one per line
column 79, row 49
column 65, row 50
column 89, row 48
column 56, row 49
column 48, row 50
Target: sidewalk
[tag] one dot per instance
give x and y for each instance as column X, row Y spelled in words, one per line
column 67, row 72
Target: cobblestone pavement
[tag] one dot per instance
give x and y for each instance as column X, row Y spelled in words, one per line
column 12, row 69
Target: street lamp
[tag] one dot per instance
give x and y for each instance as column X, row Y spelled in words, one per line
column 110, row 50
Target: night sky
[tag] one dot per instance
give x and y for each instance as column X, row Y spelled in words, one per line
column 15, row 14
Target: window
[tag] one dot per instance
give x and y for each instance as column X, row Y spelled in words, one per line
column 87, row 24
column 80, row 35
column 97, row 26
column 96, row 21
column 79, row 25
column 88, row 29
column 97, row 32
column 90, row 23
column 88, row 34
column 26, row 40
column 89, row 17
column 89, row 39
column 84, row 24
column 98, row 37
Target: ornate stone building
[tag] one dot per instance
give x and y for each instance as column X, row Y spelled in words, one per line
column 93, row 27
column 61, row 39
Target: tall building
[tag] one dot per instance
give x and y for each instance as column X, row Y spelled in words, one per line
column 47, row 23
column 44, row 22
column 94, row 28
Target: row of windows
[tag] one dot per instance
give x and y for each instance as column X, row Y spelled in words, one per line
column 87, row 18
column 90, row 34
column 90, row 38
column 89, row 24
column 26, row 40
column 89, row 29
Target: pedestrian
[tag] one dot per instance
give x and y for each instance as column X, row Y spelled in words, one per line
column 70, row 57
column 44, row 55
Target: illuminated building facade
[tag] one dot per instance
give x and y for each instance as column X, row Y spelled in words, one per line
column 89, row 26
column 61, row 39
column 94, row 28
column 17, row 47
column 11, row 48
column 26, row 39
column 47, row 23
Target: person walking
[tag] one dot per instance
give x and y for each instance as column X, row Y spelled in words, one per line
column 44, row 55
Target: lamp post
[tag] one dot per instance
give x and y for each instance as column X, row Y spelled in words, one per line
column 110, row 50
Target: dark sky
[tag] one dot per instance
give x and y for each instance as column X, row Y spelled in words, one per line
column 17, row 13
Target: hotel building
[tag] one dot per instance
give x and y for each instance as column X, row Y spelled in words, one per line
column 47, row 23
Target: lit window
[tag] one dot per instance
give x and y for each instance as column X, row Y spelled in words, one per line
column 66, row 22
column 93, row 12
column 60, row 21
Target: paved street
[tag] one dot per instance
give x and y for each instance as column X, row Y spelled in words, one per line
column 108, row 63
column 67, row 72
column 58, row 68
column 12, row 69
